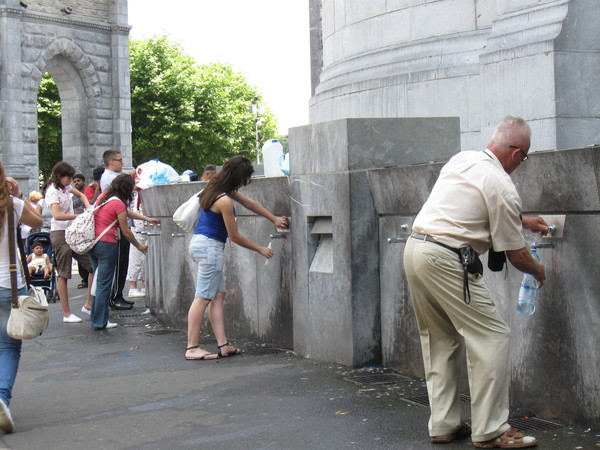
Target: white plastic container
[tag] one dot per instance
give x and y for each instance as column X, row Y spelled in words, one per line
column 272, row 151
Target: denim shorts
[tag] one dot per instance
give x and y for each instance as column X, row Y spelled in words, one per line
column 208, row 253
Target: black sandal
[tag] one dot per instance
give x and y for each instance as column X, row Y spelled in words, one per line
column 236, row 351
column 199, row 358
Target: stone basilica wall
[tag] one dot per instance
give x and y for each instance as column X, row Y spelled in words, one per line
column 475, row 59
column 86, row 51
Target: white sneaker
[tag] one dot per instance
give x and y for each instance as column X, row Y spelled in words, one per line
column 110, row 324
column 72, row 319
column 134, row 293
column 6, row 423
column 86, row 311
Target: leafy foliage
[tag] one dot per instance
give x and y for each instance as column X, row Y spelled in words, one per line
column 49, row 126
column 185, row 114
column 189, row 115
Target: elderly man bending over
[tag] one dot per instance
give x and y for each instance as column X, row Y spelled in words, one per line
column 473, row 203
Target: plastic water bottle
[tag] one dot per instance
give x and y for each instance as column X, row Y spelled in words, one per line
column 528, row 291
column 272, row 150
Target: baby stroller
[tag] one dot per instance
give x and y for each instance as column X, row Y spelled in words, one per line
column 48, row 284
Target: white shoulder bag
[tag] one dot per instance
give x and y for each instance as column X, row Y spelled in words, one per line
column 187, row 215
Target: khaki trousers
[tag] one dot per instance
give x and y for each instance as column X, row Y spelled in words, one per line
column 448, row 327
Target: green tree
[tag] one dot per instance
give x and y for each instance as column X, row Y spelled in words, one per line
column 49, row 126
column 189, row 115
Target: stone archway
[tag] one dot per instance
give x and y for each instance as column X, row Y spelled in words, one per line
column 80, row 93
column 86, row 51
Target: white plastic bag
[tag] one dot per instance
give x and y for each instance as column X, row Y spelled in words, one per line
column 94, row 283
column 187, row 215
column 153, row 173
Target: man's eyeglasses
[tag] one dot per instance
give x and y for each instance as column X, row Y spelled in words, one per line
column 118, row 160
column 522, row 152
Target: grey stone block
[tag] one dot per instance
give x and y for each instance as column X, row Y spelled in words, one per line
column 400, row 342
column 359, row 144
column 549, row 349
column 259, row 305
column 402, row 190
column 561, row 182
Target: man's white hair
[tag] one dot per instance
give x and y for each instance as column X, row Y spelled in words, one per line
column 506, row 130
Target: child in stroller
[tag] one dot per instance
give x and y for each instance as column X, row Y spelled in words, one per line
column 39, row 278
column 38, row 262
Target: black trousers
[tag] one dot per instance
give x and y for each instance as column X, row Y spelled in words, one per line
column 120, row 271
column 82, row 272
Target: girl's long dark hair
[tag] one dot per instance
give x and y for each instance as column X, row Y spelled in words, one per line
column 4, row 198
column 121, row 187
column 236, row 172
column 61, row 169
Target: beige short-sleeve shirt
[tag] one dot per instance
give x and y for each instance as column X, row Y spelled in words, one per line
column 474, row 202
column 65, row 204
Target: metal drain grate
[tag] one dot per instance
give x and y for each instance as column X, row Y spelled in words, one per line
column 53, row 341
column 522, row 423
column 261, row 350
column 423, row 400
column 133, row 313
column 136, row 319
column 162, row 331
column 377, row 378
column 533, row 424
column 136, row 324
column 419, row 400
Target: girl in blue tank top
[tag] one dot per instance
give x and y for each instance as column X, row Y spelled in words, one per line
column 216, row 224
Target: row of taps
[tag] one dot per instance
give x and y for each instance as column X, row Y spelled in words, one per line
column 157, row 232
column 405, row 230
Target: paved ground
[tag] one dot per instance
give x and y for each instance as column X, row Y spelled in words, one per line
column 130, row 387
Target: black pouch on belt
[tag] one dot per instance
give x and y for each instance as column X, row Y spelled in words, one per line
column 496, row 260
column 471, row 264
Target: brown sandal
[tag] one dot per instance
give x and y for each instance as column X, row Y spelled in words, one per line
column 236, row 351
column 512, row 438
column 203, row 357
column 463, row 431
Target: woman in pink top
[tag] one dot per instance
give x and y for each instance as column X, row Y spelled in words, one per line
column 113, row 215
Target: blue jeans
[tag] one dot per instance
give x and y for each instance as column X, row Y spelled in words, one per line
column 103, row 256
column 10, row 349
column 208, row 253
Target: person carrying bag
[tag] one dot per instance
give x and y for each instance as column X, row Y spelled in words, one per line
column 81, row 234
column 29, row 315
column 10, row 348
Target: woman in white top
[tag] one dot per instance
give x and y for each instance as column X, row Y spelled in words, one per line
column 59, row 200
column 10, row 349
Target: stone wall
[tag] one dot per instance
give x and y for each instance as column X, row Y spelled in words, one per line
column 92, row 9
column 468, row 58
column 335, row 231
column 554, row 363
column 258, row 305
column 86, row 53
column 335, row 279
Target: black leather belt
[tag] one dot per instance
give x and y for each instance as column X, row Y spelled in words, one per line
column 426, row 237
column 468, row 258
